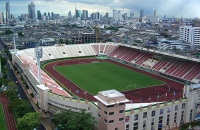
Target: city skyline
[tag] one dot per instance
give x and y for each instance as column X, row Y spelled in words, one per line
column 170, row 8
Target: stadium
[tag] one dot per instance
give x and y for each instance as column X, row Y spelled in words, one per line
column 99, row 76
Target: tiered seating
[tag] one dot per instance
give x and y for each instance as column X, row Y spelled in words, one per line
column 143, row 58
column 115, row 52
column 101, row 49
column 184, row 68
column 192, row 73
column 109, row 48
column 131, row 56
column 96, row 48
column 47, row 81
column 123, row 52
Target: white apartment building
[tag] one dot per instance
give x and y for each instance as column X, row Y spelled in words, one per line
column 190, row 34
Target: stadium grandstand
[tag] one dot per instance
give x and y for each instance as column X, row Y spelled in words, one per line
column 163, row 106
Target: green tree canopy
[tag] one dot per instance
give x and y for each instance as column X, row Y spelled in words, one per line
column 29, row 121
column 74, row 121
column 21, row 109
column 20, row 34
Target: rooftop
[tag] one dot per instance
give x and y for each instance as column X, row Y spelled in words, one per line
column 111, row 97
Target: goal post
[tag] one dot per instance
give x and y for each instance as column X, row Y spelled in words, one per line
column 131, row 86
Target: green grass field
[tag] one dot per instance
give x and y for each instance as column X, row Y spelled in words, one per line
column 95, row 77
column 2, row 121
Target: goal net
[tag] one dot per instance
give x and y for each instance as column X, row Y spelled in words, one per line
column 131, row 86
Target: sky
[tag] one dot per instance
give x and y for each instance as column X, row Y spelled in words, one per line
column 170, row 8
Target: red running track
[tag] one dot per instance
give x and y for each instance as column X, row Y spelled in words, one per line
column 9, row 119
column 138, row 95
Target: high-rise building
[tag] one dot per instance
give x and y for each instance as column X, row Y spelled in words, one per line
column 8, row 9
column 49, row 15
column 69, row 15
column 190, row 34
column 31, row 10
column 1, row 17
column 155, row 13
column 116, row 15
column 93, row 16
column 52, row 15
column 39, row 16
column 78, row 13
column 107, row 15
column 97, row 15
column 131, row 15
column 141, row 15
column 125, row 16
column 85, row 15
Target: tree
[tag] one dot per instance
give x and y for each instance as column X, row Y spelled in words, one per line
column 11, row 84
column 28, row 121
column 74, row 121
column 20, row 34
column 19, row 107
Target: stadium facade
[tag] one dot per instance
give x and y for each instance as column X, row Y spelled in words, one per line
column 112, row 110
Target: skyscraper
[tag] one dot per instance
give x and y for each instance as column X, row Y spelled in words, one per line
column 131, row 15
column 116, row 15
column 141, row 15
column 8, row 9
column 31, row 10
column 155, row 13
column 107, row 15
column 85, row 15
column 52, row 15
column 49, row 15
column 97, row 15
column 69, row 15
column 39, row 16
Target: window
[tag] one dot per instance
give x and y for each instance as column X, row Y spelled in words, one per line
column 145, row 115
column 49, row 54
column 135, row 124
column 127, row 126
column 121, row 104
column 99, row 108
column 153, row 113
column 110, row 106
column 183, row 106
column 136, row 117
column 105, row 112
column 176, row 107
column 121, row 119
column 63, row 52
column 99, row 115
column 111, row 113
column 121, row 111
column 111, row 121
column 79, row 51
column 105, row 120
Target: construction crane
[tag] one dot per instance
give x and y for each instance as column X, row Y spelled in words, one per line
column 96, row 31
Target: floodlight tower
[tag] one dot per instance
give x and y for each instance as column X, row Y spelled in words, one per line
column 14, row 38
column 38, row 55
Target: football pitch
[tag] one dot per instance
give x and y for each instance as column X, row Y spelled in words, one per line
column 95, row 77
